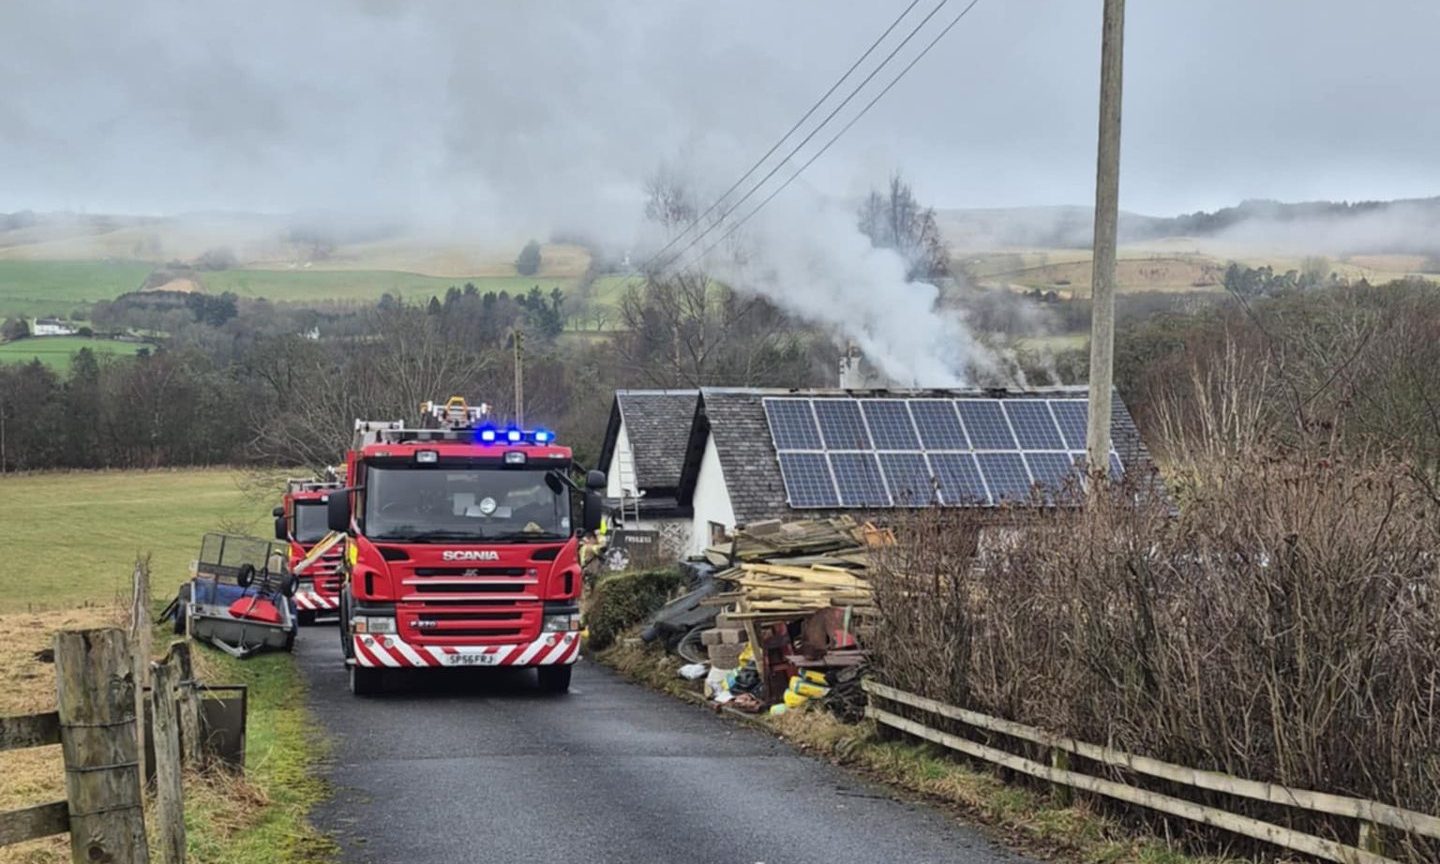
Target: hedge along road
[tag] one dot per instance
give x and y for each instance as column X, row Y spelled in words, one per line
column 479, row 766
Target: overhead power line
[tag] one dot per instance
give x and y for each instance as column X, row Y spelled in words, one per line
column 783, row 138
column 821, row 152
column 823, row 123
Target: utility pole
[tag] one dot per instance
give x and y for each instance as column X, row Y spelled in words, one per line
column 1107, row 219
column 518, row 337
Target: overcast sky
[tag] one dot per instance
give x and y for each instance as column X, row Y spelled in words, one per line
column 542, row 112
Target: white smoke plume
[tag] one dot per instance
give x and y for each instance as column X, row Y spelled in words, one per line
column 807, row 255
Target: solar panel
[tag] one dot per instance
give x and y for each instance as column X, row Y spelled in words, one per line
column 1073, row 416
column 807, row 480
column 857, row 476
column 1034, row 427
column 908, row 479
column 1006, row 476
column 895, row 452
column 938, row 424
column 890, row 425
column 840, row 424
column 792, row 425
column 986, row 425
column 958, row 480
column 1055, row 474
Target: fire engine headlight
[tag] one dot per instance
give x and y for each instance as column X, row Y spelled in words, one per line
column 561, row 623
column 426, row 457
column 373, row 624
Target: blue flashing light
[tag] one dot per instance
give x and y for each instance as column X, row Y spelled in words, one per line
column 513, row 436
column 543, row 437
column 487, row 435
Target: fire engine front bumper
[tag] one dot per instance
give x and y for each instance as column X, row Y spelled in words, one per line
column 551, row 649
column 310, row 601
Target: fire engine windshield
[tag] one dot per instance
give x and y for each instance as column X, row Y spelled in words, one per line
column 457, row 504
column 310, row 521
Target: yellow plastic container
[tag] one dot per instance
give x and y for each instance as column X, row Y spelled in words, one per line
column 800, row 687
column 795, row 700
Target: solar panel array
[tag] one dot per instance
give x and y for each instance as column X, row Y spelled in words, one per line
column 961, row 452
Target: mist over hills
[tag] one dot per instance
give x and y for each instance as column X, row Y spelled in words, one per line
column 1405, row 226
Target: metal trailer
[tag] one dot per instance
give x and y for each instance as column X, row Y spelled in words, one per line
column 232, row 568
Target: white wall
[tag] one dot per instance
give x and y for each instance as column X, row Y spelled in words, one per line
column 612, row 471
column 712, row 499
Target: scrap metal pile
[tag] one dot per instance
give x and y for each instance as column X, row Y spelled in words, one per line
column 794, row 608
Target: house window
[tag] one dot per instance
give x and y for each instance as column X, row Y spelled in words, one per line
column 719, row 534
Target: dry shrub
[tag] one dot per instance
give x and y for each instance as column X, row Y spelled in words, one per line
column 1283, row 626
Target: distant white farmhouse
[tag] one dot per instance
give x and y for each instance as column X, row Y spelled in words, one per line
column 51, row 327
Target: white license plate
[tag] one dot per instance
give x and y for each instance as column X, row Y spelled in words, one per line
column 472, row 659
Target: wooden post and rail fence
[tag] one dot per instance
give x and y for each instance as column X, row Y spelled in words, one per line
column 889, row 707
column 100, row 723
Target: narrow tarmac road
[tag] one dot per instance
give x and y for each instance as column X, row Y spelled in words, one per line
column 481, row 767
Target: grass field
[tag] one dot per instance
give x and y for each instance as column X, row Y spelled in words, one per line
column 68, row 545
column 37, row 288
column 70, row 539
column 1162, row 266
column 56, row 351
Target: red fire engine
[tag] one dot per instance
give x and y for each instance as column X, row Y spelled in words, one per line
column 461, row 547
column 301, row 521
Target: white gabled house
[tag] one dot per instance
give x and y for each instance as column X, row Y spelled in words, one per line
column 642, row 456
column 695, row 464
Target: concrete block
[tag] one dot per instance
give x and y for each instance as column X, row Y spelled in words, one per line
column 725, row 656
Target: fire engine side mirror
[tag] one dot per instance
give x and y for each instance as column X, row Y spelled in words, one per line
column 595, row 479
column 594, row 509
column 337, row 511
column 280, row 532
column 278, row 511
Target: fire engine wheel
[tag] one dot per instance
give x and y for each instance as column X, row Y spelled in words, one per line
column 306, row 617
column 347, row 647
column 555, row 679
column 365, row 681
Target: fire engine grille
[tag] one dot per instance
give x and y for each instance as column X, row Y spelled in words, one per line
column 444, row 624
column 469, row 587
column 462, row 572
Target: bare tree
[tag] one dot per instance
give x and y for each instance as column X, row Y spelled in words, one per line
column 895, row 220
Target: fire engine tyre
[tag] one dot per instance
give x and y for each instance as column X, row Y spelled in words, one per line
column 347, row 647
column 365, row 681
column 555, row 679
column 245, row 575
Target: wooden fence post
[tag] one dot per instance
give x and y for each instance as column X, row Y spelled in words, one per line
column 141, row 644
column 188, row 701
column 1063, row 795
column 95, row 691
column 169, row 786
column 1372, row 837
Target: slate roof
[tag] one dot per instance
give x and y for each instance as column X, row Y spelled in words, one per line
column 657, row 422
column 736, row 419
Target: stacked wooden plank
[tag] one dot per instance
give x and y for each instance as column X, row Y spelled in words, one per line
column 785, row 571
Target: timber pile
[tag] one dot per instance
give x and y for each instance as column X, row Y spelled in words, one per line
column 784, row 571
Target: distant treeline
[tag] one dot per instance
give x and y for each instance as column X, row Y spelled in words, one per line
column 239, row 381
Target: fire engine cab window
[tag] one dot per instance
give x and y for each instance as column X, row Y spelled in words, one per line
column 461, row 504
column 310, row 522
